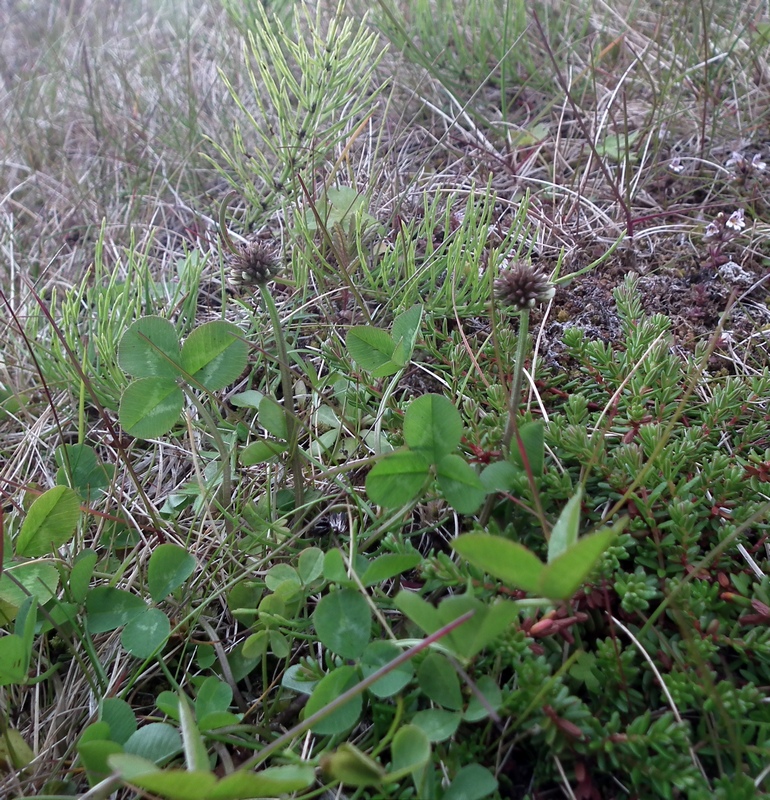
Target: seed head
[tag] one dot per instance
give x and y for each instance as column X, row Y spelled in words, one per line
column 521, row 286
column 254, row 265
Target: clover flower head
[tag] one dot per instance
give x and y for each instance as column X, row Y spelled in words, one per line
column 522, row 285
column 254, row 265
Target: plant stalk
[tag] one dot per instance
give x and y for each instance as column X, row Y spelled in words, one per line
column 287, row 384
column 513, row 403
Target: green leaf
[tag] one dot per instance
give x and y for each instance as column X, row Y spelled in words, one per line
column 62, row 616
column 508, row 561
column 243, row 599
column 298, row 679
column 432, row 425
column 476, row 710
column 26, row 621
column 565, row 531
column 50, row 522
column 14, row 750
column 81, row 573
column 174, row 784
column 12, row 660
column 490, row 622
column 405, row 328
column 514, row 564
column 616, row 147
column 169, row 567
column 337, row 205
column 95, row 755
column 146, row 633
column 108, row 608
column 418, row 611
column 219, row 719
column 281, row 574
column 567, row 573
column 499, row 476
column 150, row 407
column 343, row 622
column 460, row 484
column 397, row 479
column 279, row 644
column 119, row 715
column 310, row 564
column 350, row 766
column 94, row 732
column 38, row 578
column 438, row 680
column 156, row 741
column 473, row 782
column 329, row 688
column 80, row 467
column 335, row 570
column 150, row 349
column 372, row 349
column 399, row 358
column 213, row 696
column 271, row 782
column 532, row 435
column 240, row 664
column 437, row 723
column 388, row 566
column 487, row 623
column 376, row 655
column 215, row 354
column 255, row 645
column 410, row 751
column 262, row 450
column 251, row 398
column 272, row 417
column 168, row 703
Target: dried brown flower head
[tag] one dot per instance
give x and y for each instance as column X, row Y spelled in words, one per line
column 254, row 265
column 522, row 286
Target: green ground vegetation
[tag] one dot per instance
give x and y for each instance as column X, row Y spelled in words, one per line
column 384, row 399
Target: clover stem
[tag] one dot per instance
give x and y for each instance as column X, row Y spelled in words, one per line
column 225, row 489
column 292, row 432
column 518, row 376
column 513, row 403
